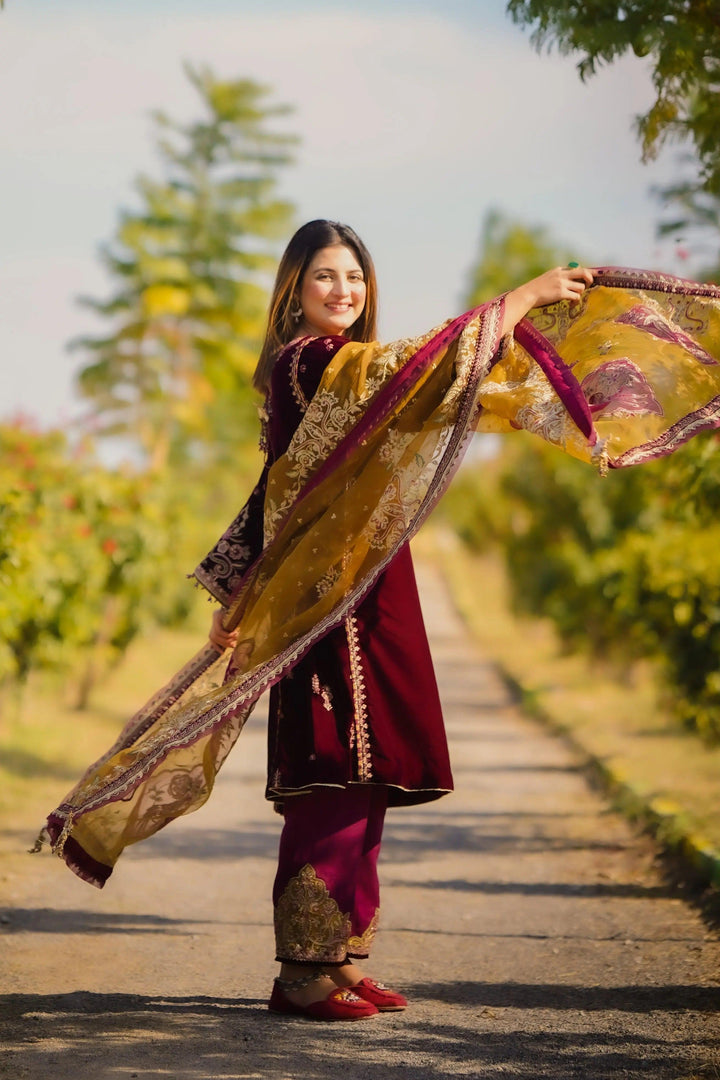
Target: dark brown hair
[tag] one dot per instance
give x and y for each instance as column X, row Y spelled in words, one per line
column 282, row 327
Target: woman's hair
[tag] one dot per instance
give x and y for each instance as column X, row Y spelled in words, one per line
column 282, row 326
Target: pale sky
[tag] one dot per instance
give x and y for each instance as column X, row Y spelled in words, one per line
column 415, row 118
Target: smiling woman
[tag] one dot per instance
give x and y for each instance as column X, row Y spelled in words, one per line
column 315, row 580
column 325, row 284
column 333, row 292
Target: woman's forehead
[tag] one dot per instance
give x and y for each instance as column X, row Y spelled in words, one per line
column 336, row 257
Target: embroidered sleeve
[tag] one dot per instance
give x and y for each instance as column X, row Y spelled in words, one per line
column 222, row 568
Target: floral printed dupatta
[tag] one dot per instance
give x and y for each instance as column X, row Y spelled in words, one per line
column 625, row 375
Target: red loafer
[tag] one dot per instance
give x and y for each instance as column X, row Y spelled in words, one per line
column 377, row 994
column 342, row 1003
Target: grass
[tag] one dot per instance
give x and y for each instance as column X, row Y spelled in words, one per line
column 615, row 719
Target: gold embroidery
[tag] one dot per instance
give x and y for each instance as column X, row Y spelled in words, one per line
column 328, row 417
column 308, row 922
column 322, row 692
column 326, row 582
column 297, row 392
column 392, row 449
column 264, row 417
column 361, row 945
column 391, row 516
column 359, row 732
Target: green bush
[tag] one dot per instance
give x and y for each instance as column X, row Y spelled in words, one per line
column 89, row 557
column 625, row 567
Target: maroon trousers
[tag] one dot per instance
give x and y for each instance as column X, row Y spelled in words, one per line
column 326, row 893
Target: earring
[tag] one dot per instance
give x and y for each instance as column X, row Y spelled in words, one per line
column 296, row 312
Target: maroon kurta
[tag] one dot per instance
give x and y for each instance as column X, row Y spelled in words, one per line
column 362, row 706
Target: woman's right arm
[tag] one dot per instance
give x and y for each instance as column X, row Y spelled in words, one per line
column 562, row 283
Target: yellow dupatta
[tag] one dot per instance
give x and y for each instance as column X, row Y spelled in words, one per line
column 627, row 374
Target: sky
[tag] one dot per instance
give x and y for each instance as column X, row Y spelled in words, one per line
column 414, row 118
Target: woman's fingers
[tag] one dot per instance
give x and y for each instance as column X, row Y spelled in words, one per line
column 579, row 276
column 562, row 283
column 220, row 637
column 573, row 281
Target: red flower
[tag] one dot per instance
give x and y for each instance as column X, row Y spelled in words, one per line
column 109, row 546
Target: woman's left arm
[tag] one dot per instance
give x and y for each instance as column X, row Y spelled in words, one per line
column 562, row 283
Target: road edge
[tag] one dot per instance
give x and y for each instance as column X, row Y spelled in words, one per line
column 664, row 820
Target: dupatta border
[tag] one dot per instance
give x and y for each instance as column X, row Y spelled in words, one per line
column 705, row 419
column 77, row 859
column 559, row 375
column 240, row 700
column 621, row 277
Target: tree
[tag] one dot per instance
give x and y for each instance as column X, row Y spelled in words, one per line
column 682, row 40
column 191, row 268
column 695, row 223
column 511, row 253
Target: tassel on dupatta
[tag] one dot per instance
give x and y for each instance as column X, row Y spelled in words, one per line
column 624, row 375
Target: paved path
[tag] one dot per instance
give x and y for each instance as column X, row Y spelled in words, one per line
column 524, row 920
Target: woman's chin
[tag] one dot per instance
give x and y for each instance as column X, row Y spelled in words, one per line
column 338, row 327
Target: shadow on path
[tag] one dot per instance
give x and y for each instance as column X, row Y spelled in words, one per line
column 117, row 1035
column 79, row 921
column 546, row 888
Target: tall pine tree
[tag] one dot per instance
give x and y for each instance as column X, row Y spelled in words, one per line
column 191, row 269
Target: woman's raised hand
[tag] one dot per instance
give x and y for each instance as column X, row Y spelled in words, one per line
column 221, row 638
column 561, row 283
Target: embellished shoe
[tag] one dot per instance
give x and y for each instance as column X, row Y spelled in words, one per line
column 379, row 995
column 342, row 1003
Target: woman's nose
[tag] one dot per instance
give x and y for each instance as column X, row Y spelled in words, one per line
column 341, row 287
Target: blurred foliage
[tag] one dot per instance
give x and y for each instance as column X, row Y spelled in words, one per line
column 681, row 38
column 693, row 218
column 511, row 253
column 89, row 557
column 625, row 567
column 191, row 270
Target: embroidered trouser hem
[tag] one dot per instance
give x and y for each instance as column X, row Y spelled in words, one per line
column 326, row 894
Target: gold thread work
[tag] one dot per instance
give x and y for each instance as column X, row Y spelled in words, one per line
column 360, row 945
column 359, row 732
column 297, row 391
column 309, row 925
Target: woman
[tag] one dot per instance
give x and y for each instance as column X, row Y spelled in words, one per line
column 357, row 726
column 316, row 582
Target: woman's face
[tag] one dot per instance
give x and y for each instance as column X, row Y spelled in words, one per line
column 332, row 292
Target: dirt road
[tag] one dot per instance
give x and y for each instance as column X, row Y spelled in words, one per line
column 526, row 923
